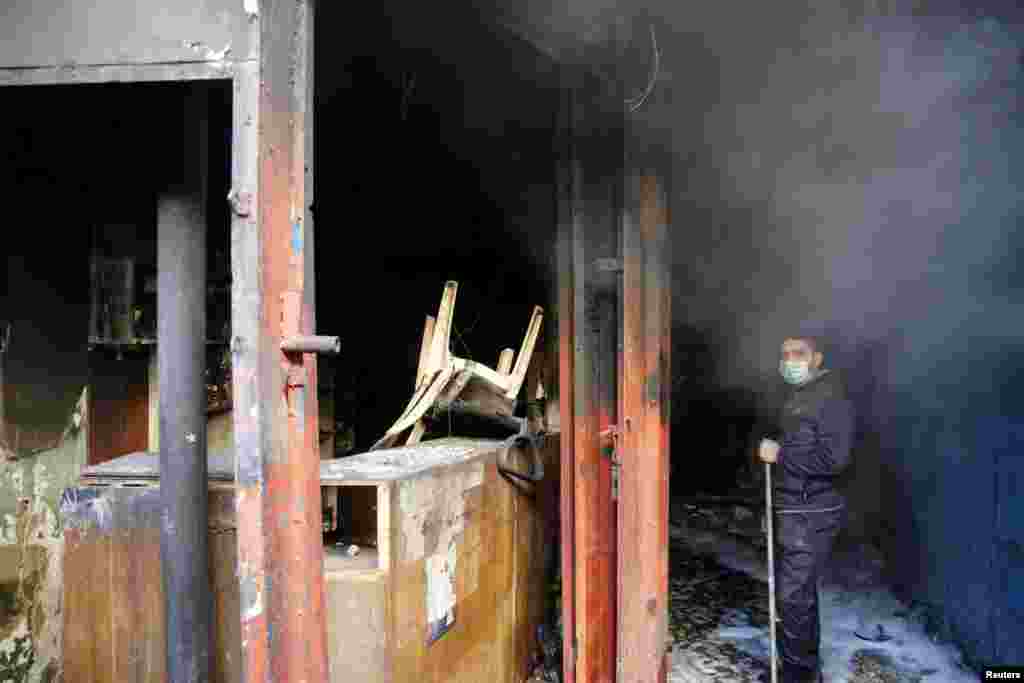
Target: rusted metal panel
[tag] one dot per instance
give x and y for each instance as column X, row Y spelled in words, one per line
column 57, row 33
column 643, row 509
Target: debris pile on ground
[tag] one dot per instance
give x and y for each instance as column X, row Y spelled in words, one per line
column 704, row 596
column 879, row 666
column 718, row 611
column 719, row 623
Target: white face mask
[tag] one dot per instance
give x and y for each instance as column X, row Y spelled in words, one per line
column 794, row 371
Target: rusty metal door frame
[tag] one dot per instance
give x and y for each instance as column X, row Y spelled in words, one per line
column 614, row 600
column 644, row 431
column 274, row 392
column 588, row 285
column 280, row 548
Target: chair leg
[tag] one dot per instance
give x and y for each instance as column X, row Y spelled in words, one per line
column 421, row 402
column 428, row 335
column 439, row 343
column 417, row 433
column 505, row 362
column 432, row 373
column 525, row 352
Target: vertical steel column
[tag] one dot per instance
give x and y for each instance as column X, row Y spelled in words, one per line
column 181, row 359
column 643, row 509
column 278, row 464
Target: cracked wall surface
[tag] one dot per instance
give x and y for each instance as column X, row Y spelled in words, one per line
column 31, row 548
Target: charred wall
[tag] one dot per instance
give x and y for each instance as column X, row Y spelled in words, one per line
column 82, row 169
column 435, row 161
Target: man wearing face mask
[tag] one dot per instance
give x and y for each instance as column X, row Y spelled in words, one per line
column 808, row 449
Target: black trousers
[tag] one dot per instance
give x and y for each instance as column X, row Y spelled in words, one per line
column 803, row 542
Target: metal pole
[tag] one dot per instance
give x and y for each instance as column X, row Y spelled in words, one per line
column 280, row 548
column 771, row 564
column 311, row 344
column 181, row 335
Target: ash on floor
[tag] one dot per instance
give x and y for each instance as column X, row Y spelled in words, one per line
column 718, row 610
column 706, row 597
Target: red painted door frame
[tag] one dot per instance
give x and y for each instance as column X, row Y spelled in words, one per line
column 614, row 403
column 644, row 430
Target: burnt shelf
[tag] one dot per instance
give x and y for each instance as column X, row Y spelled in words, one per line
column 140, row 342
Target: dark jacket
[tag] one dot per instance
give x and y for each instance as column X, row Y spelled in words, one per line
column 815, row 431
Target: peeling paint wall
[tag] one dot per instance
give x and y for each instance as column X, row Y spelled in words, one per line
column 31, row 548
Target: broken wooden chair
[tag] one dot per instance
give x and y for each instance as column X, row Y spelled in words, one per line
column 446, row 382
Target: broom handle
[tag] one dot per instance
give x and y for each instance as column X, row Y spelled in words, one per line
column 771, row 564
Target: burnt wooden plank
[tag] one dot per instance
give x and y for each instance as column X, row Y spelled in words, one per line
column 82, row 576
column 130, row 616
column 152, row 599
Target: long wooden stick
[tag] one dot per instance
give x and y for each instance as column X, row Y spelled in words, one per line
column 771, row 565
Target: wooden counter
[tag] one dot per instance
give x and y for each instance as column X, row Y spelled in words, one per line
column 448, row 584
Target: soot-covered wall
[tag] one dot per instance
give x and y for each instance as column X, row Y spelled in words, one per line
column 435, row 161
column 79, row 162
column 857, row 165
column 44, row 298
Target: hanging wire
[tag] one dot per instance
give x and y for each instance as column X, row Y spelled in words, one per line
column 634, row 103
